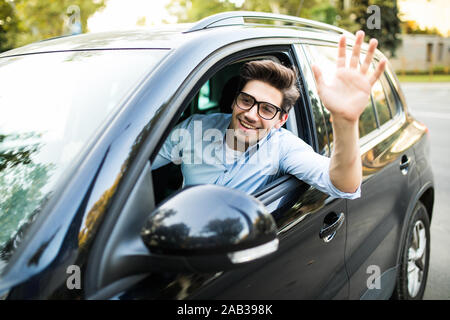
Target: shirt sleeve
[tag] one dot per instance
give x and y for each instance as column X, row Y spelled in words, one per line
column 300, row 160
column 171, row 150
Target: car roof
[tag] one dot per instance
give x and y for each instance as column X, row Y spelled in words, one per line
column 165, row 36
column 174, row 35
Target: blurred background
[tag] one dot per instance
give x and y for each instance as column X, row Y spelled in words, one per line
column 414, row 34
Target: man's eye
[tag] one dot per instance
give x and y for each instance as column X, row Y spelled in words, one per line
column 247, row 100
column 268, row 109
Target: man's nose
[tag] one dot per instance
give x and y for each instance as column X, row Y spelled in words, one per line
column 252, row 114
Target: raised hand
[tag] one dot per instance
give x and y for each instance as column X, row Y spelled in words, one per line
column 347, row 94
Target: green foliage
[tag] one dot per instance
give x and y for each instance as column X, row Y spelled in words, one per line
column 21, row 187
column 324, row 13
column 194, row 10
column 411, row 27
column 355, row 18
column 299, row 8
column 21, row 193
column 9, row 26
column 34, row 20
column 352, row 18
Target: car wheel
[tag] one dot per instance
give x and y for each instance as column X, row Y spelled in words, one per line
column 412, row 276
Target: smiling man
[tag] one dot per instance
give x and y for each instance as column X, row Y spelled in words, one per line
column 249, row 148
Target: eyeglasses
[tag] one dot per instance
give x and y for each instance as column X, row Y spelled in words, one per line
column 266, row 110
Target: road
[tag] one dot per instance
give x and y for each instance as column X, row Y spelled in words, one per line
column 430, row 104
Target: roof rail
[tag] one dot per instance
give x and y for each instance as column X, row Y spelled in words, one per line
column 238, row 18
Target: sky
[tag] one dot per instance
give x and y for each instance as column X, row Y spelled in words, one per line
column 124, row 14
column 427, row 13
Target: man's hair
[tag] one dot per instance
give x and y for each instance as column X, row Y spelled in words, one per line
column 274, row 74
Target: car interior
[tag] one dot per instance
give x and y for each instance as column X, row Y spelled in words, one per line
column 216, row 95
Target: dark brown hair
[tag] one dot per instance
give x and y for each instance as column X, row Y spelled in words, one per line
column 274, row 74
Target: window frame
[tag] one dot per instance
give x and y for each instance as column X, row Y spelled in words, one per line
column 299, row 121
column 348, row 48
column 382, row 132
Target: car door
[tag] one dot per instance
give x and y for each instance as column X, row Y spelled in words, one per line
column 375, row 220
column 309, row 263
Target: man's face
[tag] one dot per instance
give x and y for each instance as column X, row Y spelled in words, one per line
column 248, row 127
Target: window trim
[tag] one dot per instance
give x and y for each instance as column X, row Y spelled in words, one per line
column 300, row 54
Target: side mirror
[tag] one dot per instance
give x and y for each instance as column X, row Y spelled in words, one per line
column 209, row 228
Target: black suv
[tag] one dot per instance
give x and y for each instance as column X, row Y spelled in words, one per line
column 84, row 216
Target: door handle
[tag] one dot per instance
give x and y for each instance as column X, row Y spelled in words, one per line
column 332, row 223
column 404, row 164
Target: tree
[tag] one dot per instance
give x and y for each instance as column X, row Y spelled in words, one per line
column 34, row 20
column 9, row 26
column 22, row 182
column 299, row 8
column 355, row 17
column 411, row 27
column 351, row 15
column 194, row 10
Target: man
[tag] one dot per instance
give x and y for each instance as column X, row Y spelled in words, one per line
column 248, row 149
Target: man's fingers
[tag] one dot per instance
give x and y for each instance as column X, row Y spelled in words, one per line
column 317, row 75
column 369, row 56
column 354, row 60
column 341, row 53
column 374, row 77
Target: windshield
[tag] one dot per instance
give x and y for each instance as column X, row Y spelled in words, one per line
column 50, row 106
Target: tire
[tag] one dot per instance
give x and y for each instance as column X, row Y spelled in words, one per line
column 415, row 258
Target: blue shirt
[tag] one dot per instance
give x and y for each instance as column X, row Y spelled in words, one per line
column 198, row 144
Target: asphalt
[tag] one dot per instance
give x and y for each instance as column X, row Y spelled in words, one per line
column 430, row 104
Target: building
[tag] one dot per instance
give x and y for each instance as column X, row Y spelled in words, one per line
column 422, row 52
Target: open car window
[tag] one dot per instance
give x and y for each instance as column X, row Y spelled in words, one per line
column 215, row 95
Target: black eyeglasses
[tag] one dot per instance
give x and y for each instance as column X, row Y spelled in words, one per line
column 266, row 110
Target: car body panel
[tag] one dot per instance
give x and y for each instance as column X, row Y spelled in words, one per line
column 376, row 219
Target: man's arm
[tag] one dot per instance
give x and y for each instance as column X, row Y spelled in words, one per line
column 345, row 97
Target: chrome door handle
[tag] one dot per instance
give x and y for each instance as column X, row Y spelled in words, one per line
column 404, row 165
column 332, row 223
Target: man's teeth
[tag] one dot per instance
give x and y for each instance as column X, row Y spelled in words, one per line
column 247, row 125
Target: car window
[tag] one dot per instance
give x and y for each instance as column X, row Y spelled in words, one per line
column 367, row 120
column 316, row 105
column 48, row 116
column 381, row 103
column 393, row 90
column 325, row 57
column 215, row 95
column 392, row 101
column 205, row 101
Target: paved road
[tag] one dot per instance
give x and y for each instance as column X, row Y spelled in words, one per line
column 430, row 104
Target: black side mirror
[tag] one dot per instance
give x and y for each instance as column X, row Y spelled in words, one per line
column 209, row 228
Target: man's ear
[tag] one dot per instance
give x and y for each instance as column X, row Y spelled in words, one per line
column 281, row 121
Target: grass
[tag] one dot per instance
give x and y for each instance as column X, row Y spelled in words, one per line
column 424, row 78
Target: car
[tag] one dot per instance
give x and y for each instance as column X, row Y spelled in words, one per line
column 84, row 216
